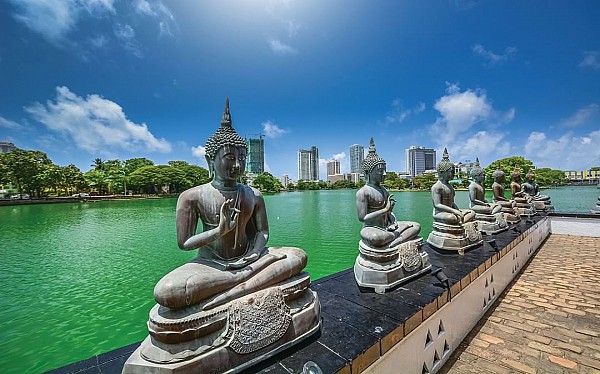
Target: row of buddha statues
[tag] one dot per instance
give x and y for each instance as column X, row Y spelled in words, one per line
column 239, row 301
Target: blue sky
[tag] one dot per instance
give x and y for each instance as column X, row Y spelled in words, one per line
column 143, row 78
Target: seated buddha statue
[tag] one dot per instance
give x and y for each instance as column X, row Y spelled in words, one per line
column 206, row 315
column 453, row 228
column 385, row 242
column 523, row 200
column 596, row 209
column 508, row 206
column 540, row 202
column 489, row 216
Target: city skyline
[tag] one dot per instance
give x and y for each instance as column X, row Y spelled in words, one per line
column 148, row 78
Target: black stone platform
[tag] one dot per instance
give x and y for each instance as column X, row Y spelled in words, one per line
column 360, row 325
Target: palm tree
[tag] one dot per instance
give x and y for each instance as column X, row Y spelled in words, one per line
column 98, row 164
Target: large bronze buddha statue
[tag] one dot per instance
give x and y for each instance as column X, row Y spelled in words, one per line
column 508, row 206
column 238, row 301
column 389, row 250
column 540, row 202
column 454, row 229
column 489, row 216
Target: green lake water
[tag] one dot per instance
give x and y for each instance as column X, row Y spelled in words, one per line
column 77, row 279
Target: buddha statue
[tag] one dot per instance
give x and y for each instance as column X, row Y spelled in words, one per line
column 596, row 209
column 389, row 250
column 238, row 301
column 508, row 206
column 540, row 202
column 522, row 199
column 489, row 217
column 454, row 229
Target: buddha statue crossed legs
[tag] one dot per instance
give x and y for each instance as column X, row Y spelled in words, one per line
column 488, row 215
column 389, row 250
column 238, row 301
column 454, row 229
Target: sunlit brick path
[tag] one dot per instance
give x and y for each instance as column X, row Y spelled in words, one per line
column 547, row 320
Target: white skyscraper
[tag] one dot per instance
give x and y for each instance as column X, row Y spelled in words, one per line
column 419, row 159
column 308, row 164
column 357, row 155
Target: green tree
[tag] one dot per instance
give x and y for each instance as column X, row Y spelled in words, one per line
column 73, row 179
column 133, row 164
column 550, row 177
column 25, row 169
column 266, row 182
column 343, row 184
column 96, row 179
column 98, row 164
column 424, row 181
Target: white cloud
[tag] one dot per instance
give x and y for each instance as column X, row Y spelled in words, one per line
column 126, row 36
column 281, row 48
column 339, row 156
column 158, row 10
column 271, row 130
column 567, row 152
column 95, row 123
column 8, row 124
column 582, row 116
column 398, row 113
column 492, row 58
column 482, row 144
column 591, row 59
column 199, row 152
column 98, row 41
column 54, row 19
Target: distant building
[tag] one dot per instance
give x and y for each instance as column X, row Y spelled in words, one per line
column 308, row 164
column 333, row 167
column 419, row 159
column 6, row 147
column 255, row 159
column 357, row 155
column 285, row 180
column 583, row 176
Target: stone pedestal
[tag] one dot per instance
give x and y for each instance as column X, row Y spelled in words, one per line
column 382, row 269
column 543, row 206
column 491, row 223
column 455, row 238
column 231, row 337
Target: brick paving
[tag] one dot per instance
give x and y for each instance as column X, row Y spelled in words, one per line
column 546, row 321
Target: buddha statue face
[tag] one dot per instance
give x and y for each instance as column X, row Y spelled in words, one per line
column 478, row 178
column 229, row 163
column 377, row 174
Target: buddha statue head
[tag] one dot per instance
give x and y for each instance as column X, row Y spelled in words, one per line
column 373, row 165
column 226, row 150
column 499, row 176
column 445, row 168
column 477, row 173
column 530, row 176
column 516, row 175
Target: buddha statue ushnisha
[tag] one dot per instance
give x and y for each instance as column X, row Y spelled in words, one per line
column 454, row 229
column 489, row 216
column 389, row 250
column 238, row 301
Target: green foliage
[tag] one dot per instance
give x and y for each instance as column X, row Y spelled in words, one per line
column 507, row 165
column 343, row 184
column 304, row 185
column 28, row 171
column 393, row 181
column 424, row 181
column 266, row 182
column 550, row 177
column 595, row 168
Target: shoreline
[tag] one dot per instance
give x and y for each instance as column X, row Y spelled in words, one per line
column 62, row 200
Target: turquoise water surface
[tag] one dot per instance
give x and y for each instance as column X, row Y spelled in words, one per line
column 77, row 279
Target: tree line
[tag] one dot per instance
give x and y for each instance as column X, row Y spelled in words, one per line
column 34, row 173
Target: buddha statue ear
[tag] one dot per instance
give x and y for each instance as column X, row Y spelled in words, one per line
column 211, row 166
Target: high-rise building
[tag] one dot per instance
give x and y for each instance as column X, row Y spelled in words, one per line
column 255, row 159
column 333, row 167
column 6, row 146
column 308, row 164
column 419, row 159
column 285, row 180
column 357, row 155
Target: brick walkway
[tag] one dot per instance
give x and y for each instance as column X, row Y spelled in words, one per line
column 546, row 321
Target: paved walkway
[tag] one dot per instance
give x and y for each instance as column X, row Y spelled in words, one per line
column 547, row 320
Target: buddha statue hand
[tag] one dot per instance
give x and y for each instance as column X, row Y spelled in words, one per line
column 246, row 260
column 390, row 203
column 228, row 217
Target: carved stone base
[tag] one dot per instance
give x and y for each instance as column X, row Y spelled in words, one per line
column 229, row 338
column 455, row 238
column 491, row 224
column 526, row 211
column 407, row 262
